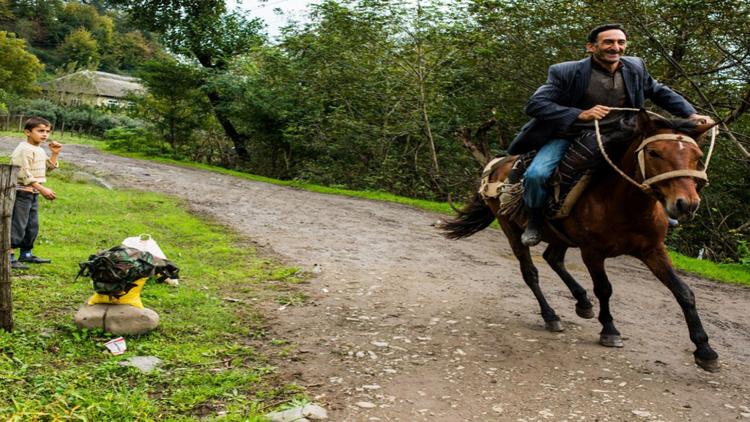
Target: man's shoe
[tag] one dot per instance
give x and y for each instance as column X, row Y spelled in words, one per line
column 533, row 233
column 33, row 259
column 16, row 265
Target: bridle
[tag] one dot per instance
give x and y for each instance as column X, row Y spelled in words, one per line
column 646, row 185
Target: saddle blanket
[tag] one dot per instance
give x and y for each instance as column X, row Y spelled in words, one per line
column 510, row 190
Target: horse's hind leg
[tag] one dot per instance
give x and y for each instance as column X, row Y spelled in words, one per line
column 555, row 257
column 658, row 262
column 530, row 274
column 609, row 335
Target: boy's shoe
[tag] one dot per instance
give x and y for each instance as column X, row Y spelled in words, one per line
column 33, row 259
column 16, row 265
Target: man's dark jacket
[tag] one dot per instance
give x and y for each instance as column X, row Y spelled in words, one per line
column 553, row 107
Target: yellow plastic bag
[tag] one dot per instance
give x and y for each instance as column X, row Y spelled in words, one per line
column 132, row 298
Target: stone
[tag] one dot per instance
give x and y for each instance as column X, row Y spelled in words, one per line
column 129, row 320
column 314, row 412
column 145, row 364
column 91, row 316
column 365, row 404
column 308, row 412
column 641, row 413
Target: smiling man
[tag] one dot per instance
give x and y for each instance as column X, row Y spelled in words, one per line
column 576, row 93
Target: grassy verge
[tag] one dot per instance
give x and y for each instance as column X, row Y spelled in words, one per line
column 217, row 358
column 730, row 273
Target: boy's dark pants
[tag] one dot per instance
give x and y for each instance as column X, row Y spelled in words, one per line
column 25, row 222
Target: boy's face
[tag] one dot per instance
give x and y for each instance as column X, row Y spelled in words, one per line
column 38, row 134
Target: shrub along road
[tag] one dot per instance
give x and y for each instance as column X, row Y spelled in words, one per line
column 400, row 324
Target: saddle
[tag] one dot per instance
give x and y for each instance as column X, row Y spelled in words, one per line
column 510, row 191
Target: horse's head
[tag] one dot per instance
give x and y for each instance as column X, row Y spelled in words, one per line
column 669, row 162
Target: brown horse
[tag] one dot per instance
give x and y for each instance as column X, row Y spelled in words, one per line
column 614, row 217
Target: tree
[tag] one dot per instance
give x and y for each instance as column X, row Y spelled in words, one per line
column 130, row 50
column 80, row 48
column 202, row 30
column 19, row 69
column 174, row 105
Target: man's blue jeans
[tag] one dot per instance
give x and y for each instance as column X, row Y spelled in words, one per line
column 540, row 170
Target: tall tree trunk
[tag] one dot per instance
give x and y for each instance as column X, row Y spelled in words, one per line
column 239, row 140
column 8, row 176
column 423, row 93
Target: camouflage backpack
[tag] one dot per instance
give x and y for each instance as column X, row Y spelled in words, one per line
column 114, row 271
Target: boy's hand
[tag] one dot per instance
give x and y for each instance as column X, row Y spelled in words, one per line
column 47, row 193
column 54, row 146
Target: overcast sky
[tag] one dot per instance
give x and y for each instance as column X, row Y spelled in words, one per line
column 295, row 9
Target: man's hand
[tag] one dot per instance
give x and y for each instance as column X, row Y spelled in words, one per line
column 701, row 120
column 54, row 147
column 596, row 112
column 47, row 193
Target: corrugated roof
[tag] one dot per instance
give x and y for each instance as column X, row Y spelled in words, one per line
column 101, row 84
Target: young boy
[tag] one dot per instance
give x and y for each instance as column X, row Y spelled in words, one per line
column 33, row 163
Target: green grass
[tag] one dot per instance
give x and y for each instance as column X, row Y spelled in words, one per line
column 217, row 358
column 729, row 273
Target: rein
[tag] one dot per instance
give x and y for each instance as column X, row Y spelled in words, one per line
column 645, row 186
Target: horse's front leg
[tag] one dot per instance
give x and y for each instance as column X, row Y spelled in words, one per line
column 609, row 335
column 659, row 263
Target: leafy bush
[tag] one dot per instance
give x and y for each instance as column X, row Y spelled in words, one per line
column 81, row 118
column 133, row 139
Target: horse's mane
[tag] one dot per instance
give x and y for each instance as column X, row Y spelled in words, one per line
column 619, row 141
column 629, row 127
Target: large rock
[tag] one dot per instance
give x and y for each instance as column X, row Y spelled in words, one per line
column 129, row 320
column 117, row 319
column 91, row 316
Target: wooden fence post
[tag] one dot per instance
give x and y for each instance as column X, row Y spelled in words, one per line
column 8, row 176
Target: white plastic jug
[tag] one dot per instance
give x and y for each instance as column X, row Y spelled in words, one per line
column 145, row 243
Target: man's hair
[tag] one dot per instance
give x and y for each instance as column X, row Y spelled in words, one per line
column 594, row 34
column 36, row 121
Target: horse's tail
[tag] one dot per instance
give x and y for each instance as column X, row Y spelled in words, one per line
column 472, row 218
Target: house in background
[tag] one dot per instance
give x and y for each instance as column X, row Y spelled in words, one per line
column 92, row 87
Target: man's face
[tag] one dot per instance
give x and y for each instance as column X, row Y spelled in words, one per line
column 609, row 47
column 38, row 134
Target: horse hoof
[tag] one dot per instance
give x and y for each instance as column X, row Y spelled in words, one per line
column 554, row 326
column 611, row 340
column 708, row 365
column 585, row 313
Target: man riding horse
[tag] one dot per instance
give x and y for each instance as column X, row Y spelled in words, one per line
column 565, row 107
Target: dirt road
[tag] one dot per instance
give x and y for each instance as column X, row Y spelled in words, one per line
column 403, row 325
